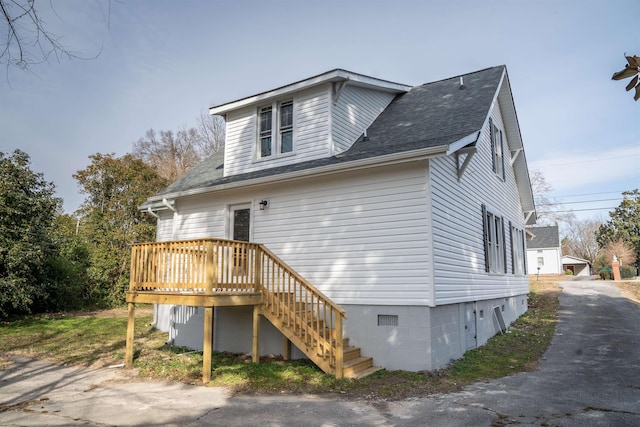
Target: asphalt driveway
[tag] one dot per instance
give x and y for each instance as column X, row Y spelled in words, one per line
column 589, row 377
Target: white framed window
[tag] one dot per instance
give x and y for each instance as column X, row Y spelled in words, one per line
column 540, row 261
column 518, row 253
column 265, row 132
column 494, row 242
column 275, row 129
column 497, row 149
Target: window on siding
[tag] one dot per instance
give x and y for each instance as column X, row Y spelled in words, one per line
column 494, row 242
column 275, row 139
column 265, row 131
column 540, row 261
column 286, row 127
column 518, row 260
column 497, row 149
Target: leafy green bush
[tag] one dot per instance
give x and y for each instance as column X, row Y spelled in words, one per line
column 568, row 272
column 628, row 272
column 605, row 274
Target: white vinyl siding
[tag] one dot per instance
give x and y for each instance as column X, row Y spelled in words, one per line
column 459, row 258
column 360, row 237
column 354, row 112
column 240, row 141
column 200, row 217
column 311, row 123
column 164, row 227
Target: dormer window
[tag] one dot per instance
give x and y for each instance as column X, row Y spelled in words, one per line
column 275, row 139
column 265, row 131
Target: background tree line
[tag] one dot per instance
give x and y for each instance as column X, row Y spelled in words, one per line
column 52, row 261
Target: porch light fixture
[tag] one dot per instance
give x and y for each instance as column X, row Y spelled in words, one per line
column 263, row 204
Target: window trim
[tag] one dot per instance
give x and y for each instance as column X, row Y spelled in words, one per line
column 497, row 149
column 518, row 251
column 277, row 130
column 495, row 253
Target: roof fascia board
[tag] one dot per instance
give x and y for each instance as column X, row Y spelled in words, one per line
column 330, row 76
column 324, row 170
column 576, row 258
column 463, row 142
column 520, row 161
column 495, row 97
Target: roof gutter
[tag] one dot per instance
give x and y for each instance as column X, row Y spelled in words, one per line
column 319, row 171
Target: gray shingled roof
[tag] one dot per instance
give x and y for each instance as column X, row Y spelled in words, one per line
column 428, row 116
column 545, row 237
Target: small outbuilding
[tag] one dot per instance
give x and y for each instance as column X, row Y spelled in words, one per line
column 578, row 266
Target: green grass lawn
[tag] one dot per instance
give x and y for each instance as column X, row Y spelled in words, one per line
column 98, row 339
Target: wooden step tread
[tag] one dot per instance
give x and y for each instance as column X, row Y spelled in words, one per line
column 364, row 373
column 356, row 361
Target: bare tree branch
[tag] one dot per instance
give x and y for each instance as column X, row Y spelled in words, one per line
column 546, row 208
column 173, row 154
column 28, row 41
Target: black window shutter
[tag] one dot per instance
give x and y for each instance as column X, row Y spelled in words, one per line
column 493, row 145
column 503, row 155
column 513, row 252
column 524, row 251
column 485, row 239
column 504, row 246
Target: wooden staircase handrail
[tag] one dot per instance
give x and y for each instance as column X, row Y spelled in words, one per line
column 210, row 266
column 302, row 280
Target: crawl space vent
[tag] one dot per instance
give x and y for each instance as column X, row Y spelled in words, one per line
column 387, row 320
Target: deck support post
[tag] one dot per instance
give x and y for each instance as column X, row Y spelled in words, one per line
column 339, row 346
column 211, row 268
column 207, row 345
column 256, row 334
column 286, row 353
column 130, row 333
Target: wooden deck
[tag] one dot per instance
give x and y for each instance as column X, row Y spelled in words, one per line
column 215, row 272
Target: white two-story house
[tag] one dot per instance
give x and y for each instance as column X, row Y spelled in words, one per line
column 404, row 205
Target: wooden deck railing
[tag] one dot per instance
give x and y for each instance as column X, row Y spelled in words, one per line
column 196, row 266
column 215, row 266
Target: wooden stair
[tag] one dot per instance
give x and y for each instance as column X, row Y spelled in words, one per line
column 288, row 320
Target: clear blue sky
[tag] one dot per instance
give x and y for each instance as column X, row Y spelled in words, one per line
column 161, row 63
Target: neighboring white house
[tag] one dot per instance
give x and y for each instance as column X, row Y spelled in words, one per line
column 578, row 266
column 544, row 250
column 405, row 205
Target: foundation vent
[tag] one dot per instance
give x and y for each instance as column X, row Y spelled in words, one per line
column 387, row 320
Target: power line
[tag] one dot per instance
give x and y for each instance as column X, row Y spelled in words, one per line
column 607, row 150
column 599, row 159
column 593, row 194
column 581, row 210
column 571, row 203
